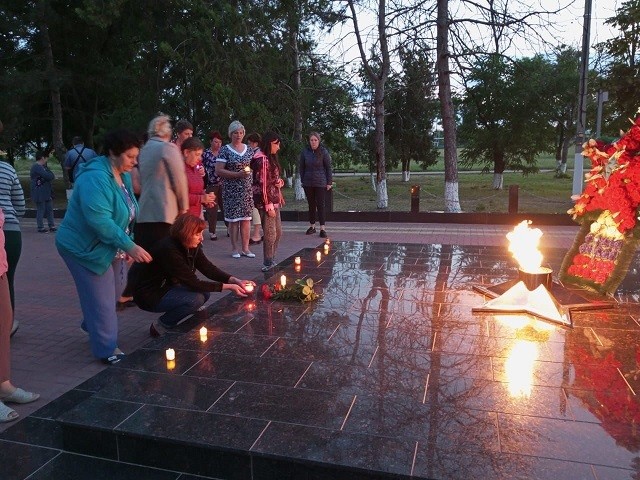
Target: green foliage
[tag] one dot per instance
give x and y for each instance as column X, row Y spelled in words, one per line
column 411, row 109
column 505, row 125
column 620, row 75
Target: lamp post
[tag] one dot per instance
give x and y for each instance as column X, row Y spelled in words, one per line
column 602, row 97
column 415, row 199
column 578, row 166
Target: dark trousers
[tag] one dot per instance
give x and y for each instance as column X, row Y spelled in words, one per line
column 44, row 210
column 179, row 302
column 316, row 200
column 13, row 247
column 212, row 213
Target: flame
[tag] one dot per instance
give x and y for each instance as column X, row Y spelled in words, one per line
column 523, row 244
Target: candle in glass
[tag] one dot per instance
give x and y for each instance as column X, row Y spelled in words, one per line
column 283, row 280
column 170, row 354
column 297, row 260
column 318, row 256
column 248, row 287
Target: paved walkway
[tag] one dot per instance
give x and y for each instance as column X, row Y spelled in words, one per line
column 50, row 354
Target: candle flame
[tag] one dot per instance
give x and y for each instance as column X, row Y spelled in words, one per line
column 523, row 245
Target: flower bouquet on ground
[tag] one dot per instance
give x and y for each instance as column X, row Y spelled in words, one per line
column 608, row 210
column 301, row 290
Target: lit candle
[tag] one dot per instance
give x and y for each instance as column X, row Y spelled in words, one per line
column 283, row 280
column 297, row 260
column 248, row 287
column 171, row 354
column 318, row 256
column 247, row 169
column 326, row 249
column 203, row 332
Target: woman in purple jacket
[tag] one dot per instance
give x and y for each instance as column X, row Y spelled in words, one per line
column 316, row 177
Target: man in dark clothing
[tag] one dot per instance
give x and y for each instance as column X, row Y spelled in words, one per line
column 75, row 156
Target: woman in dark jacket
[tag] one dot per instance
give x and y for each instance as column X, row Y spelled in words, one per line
column 169, row 284
column 267, row 196
column 316, row 176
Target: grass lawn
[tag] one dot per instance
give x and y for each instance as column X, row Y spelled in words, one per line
column 538, row 193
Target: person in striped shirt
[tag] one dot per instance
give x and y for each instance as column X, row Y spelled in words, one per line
column 13, row 207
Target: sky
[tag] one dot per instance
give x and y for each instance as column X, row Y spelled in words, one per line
column 566, row 26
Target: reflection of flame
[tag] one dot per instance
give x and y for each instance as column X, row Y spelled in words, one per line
column 518, row 368
column 523, row 244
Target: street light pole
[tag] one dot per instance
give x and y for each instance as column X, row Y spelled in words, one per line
column 602, row 97
column 578, row 166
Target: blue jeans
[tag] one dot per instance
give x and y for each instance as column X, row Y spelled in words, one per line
column 97, row 295
column 44, row 210
column 179, row 302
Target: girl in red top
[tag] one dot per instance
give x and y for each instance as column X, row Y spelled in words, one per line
column 192, row 149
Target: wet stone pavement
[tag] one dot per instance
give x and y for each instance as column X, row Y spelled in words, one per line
column 387, row 375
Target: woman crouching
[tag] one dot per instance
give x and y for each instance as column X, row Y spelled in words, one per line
column 169, row 284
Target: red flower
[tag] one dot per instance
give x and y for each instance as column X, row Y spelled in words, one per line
column 266, row 292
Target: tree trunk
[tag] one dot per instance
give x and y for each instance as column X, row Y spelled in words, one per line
column 406, row 173
column 378, row 77
column 498, row 169
column 54, row 88
column 297, row 188
column 498, row 181
column 297, row 107
column 382, row 194
column 451, row 199
column 381, row 168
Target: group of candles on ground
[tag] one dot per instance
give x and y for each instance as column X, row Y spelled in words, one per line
column 170, row 353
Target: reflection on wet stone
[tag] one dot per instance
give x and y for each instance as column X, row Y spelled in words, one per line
column 388, row 373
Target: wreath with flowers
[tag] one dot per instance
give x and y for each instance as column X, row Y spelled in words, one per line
column 608, row 210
